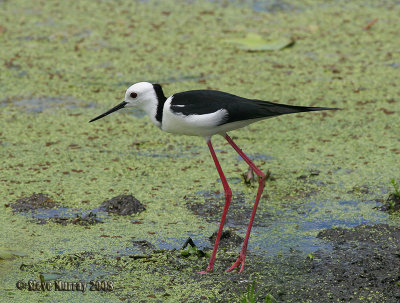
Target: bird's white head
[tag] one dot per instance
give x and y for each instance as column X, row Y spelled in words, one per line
column 144, row 95
column 140, row 95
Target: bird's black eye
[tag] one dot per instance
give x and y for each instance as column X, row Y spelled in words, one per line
column 133, row 95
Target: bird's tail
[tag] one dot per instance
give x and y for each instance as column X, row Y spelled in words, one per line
column 275, row 109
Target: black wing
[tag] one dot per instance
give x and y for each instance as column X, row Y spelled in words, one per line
column 200, row 102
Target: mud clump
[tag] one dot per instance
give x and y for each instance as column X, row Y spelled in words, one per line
column 143, row 245
column 228, row 239
column 312, row 173
column 123, row 205
column 36, row 201
column 89, row 219
column 43, row 210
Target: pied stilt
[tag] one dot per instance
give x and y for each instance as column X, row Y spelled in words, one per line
column 206, row 113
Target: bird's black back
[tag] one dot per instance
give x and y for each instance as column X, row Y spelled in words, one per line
column 200, row 102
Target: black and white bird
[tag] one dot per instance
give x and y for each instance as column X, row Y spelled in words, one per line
column 206, row 113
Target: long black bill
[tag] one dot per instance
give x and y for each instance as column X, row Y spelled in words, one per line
column 119, row 106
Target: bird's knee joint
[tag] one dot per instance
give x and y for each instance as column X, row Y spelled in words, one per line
column 228, row 193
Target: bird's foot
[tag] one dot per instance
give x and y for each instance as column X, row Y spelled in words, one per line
column 239, row 262
column 208, row 269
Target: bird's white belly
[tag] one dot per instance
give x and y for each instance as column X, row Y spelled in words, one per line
column 204, row 125
column 192, row 125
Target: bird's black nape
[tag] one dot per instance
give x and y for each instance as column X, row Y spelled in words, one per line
column 161, row 100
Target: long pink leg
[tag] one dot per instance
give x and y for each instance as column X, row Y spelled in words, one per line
column 228, row 195
column 242, row 256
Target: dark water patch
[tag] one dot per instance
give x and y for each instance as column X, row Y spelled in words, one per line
column 84, row 220
column 232, row 180
column 312, row 226
column 256, row 157
column 342, row 171
column 157, row 154
column 137, row 113
column 123, row 205
column 394, row 65
column 6, row 253
column 311, row 174
column 65, row 216
column 170, row 152
column 310, row 181
column 329, row 217
column 135, row 248
column 169, row 80
column 363, row 189
column 210, row 204
column 143, row 245
column 39, row 104
column 294, row 224
column 84, row 266
column 170, row 243
column 182, row 78
column 260, row 5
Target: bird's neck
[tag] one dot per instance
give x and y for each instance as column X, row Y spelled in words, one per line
column 155, row 108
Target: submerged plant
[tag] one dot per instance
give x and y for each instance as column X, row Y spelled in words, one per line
column 396, row 187
column 190, row 249
column 393, row 201
column 251, row 296
column 270, row 299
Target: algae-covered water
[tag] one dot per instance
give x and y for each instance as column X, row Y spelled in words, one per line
column 65, row 62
